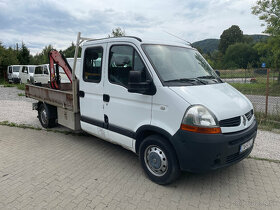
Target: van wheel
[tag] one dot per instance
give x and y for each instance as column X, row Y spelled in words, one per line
column 44, row 117
column 158, row 159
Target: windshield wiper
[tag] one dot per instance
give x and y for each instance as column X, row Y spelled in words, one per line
column 210, row 77
column 190, row 80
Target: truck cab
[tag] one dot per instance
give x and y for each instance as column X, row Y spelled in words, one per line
column 163, row 91
column 161, row 100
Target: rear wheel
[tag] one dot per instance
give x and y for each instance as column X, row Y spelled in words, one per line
column 159, row 160
column 45, row 117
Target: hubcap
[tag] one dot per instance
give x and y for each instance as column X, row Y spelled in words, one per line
column 44, row 116
column 155, row 160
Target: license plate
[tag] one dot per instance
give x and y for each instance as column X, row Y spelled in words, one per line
column 246, row 145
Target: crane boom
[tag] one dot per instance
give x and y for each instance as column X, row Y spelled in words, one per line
column 56, row 58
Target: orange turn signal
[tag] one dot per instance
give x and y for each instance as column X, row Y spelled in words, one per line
column 200, row 129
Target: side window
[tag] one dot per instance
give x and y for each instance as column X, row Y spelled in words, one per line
column 93, row 64
column 122, row 60
column 46, row 70
column 24, row 69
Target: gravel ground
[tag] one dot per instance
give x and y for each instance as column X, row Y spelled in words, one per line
column 18, row 109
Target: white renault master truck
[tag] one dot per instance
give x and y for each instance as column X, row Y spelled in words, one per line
column 160, row 100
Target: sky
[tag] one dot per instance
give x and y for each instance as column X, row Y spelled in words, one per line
column 38, row 23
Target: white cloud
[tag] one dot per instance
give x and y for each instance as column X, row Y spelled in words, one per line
column 57, row 22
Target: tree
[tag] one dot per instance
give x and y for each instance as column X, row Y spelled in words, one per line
column 230, row 36
column 269, row 12
column 43, row 57
column 70, row 51
column 23, row 55
column 117, row 32
column 239, row 55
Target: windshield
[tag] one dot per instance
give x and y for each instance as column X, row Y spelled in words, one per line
column 180, row 65
column 31, row 69
column 16, row 68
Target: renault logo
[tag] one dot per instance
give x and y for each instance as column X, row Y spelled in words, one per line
column 244, row 120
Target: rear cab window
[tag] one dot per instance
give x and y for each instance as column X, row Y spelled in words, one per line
column 93, row 64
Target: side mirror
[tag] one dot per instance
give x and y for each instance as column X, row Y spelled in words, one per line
column 135, row 85
column 218, row 73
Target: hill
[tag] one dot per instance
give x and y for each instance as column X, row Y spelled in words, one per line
column 210, row 45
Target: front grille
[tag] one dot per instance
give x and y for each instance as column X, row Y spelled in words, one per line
column 230, row 122
column 237, row 156
column 249, row 115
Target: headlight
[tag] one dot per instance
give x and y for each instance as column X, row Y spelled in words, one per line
column 200, row 120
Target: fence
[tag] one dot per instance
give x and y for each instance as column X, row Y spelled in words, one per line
column 261, row 86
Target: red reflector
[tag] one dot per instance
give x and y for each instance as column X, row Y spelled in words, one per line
column 200, row 129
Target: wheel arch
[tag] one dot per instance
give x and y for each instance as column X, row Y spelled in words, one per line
column 147, row 130
column 52, row 110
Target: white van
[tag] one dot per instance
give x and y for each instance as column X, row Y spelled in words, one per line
column 41, row 74
column 161, row 100
column 26, row 72
column 13, row 73
column 63, row 77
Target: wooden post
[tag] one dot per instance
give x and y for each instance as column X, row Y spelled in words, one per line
column 267, row 92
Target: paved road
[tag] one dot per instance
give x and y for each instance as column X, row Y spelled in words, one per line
column 40, row 169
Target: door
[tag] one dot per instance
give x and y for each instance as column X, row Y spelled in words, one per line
column 91, row 90
column 124, row 112
column 46, row 75
column 24, row 74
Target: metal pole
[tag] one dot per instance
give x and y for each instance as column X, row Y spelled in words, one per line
column 267, row 92
column 74, row 80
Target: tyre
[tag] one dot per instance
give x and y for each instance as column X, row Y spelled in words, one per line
column 159, row 160
column 45, row 116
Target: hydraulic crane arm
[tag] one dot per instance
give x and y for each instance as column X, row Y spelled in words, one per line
column 56, row 58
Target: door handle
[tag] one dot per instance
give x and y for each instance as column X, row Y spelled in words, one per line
column 81, row 93
column 106, row 98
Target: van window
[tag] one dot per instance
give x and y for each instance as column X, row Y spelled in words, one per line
column 46, row 71
column 93, row 64
column 31, row 69
column 39, row 70
column 25, row 69
column 10, row 69
column 16, row 68
column 122, row 60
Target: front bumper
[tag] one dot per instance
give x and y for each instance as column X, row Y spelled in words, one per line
column 204, row 152
column 16, row 80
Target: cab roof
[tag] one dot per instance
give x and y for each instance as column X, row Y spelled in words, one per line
column 136, row 40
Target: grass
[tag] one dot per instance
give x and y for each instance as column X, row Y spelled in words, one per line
column 6, row 84
column 269, row 122
column 264, row 159
column 11, row 124
column 18, row 86
column 21, row 94
column 257, row 88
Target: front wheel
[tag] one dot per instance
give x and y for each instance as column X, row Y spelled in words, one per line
column 159, row 160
